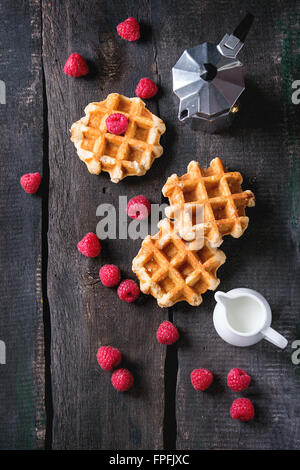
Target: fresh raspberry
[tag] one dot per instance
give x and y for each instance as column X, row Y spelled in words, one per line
column 129, row 29
column 128, row 290
column 238, row 380
column 167, row 333
column 76, row 66
column 116, row 123
column 90, row 245
column 201, row 379
column 109, row 275
column 146, row 88
column 31, row 182
column 242, row 409
column 138, row 207
column 122, row 379
column 108, row 358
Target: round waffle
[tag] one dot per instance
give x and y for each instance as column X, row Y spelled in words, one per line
column 120, row 155
column 219, row 193
column 172, row 272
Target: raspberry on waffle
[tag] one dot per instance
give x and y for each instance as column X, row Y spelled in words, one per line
column 120, row 155
column 171, row 272
column 220, row 193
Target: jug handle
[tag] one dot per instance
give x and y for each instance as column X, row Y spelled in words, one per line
column 274, row 337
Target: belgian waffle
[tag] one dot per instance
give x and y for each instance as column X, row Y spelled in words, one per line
column 219, row 192
column 120, row 155
column 171, row 272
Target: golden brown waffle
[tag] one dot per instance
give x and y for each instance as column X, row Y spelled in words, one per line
column 120, row 155
column 171, row 272
column 219, row 192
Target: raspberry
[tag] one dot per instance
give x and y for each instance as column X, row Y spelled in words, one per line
column 108, row 358
column 201, row 379
column 109, row 275
column 122, row 379
column 138, row 207
column 31, row 182
column 76, row 66
column 242, row 409
column 167, row 333
column 146, row 88
column 116, row 123
column 238, row 380
column 90, row 245
column 129, row 29
column 128, row 290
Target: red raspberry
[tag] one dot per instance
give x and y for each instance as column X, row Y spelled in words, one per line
column 129, row 29
column 122, row 379
column 167, row 333
column 238, row 380
column 128, row 290
column 201, row 379
column 90, row 245
column 31, row 182
column 116, row 123
column 108, row 358
column 76, row 66
column 109, row 275
column 146, row 88
column 138, row 207
column 242, row 409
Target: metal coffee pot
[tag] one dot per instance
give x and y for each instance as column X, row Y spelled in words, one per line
column 208, row 79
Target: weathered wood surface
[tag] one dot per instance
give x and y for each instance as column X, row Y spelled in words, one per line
column 22, row 411
column 88, row 412
column 262, row 145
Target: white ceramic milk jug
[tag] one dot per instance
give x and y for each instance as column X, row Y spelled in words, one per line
column 242, row 317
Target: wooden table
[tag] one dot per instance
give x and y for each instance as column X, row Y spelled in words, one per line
column 54, row 311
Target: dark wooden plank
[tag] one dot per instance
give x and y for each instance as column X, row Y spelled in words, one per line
column 22, row 411
column 88, row 412
column 264, row 148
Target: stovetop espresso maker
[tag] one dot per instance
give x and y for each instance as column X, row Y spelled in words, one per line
column 208, row 79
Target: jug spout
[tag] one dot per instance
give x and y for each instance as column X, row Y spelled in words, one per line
column 222, row 298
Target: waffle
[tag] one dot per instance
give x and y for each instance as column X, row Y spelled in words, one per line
column 171, row 272
column 120, row 155
column 219, row 192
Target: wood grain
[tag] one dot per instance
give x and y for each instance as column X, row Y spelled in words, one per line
column 88, row 412
column 41, row 104
column 266, row 258
column 22, row 409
